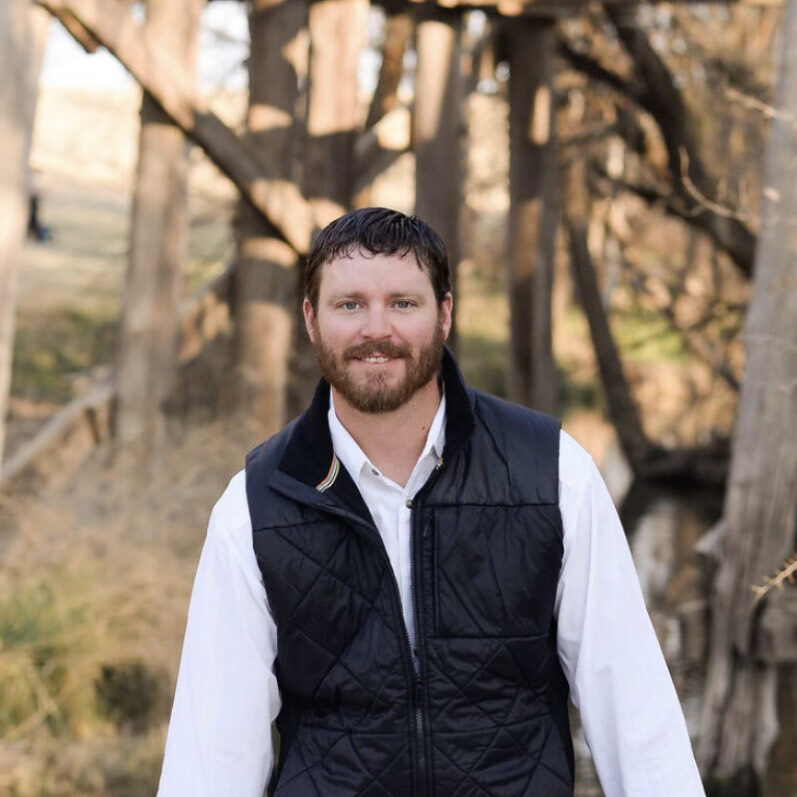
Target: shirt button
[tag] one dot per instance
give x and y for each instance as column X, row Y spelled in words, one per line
column 375, row 471
column 408, row 503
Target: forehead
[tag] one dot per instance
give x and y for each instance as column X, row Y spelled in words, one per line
column 368, row 273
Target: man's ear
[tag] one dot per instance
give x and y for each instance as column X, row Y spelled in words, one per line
column 446, row 310
column 309, row 318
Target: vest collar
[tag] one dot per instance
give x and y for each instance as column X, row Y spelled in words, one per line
column 309, row 457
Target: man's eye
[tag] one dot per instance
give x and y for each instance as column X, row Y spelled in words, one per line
column 404, row 304
column 349, row 305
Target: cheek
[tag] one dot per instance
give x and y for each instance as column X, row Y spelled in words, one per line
column 336, row 333
column 420, row 329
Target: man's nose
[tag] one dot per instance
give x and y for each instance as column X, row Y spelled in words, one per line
column 376, row 323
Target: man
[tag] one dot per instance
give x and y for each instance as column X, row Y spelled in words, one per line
column 413, row 575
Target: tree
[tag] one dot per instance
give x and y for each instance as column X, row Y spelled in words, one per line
column 22, row 37
column 739, row 720
column 532, row 211
column 437, row 128
column 158, row 242
column 265, row 276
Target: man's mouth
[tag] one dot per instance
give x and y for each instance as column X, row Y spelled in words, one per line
column 375, row 360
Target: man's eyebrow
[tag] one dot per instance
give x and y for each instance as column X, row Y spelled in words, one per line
column 405, row 295
column 347, row 295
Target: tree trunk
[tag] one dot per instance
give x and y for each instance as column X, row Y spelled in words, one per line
column 22, row 37
column 147, row 351
column 337, row 37
column 532, row 212
column 437, row 129
column 265, row 276
column 622, row 407
column 739, row 721
column 398, row 32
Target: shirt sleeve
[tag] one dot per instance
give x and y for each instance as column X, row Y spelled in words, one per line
column 219, row 739
column 618, row 678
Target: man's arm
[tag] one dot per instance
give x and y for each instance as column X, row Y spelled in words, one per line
column 619, row 681
column 219, row 740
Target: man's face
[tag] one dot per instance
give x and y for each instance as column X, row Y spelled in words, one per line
column 378, row 331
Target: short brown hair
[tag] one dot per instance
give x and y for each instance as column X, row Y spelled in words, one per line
column 378, row 231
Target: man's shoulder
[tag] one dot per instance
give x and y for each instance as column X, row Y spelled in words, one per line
column 576, row 466
column 266, row 454
column 230, row 516
column 516, row 422
column 525, row 441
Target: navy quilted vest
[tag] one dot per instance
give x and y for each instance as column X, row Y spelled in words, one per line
column 486, row 713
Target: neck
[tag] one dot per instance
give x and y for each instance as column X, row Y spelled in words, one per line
column 392, row 441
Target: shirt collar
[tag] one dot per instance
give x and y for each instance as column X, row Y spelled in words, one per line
column 353, row 457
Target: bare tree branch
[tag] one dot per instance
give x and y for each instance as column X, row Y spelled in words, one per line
column 111, row 24
column 653, row 89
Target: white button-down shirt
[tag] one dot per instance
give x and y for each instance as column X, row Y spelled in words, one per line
column 219, row 741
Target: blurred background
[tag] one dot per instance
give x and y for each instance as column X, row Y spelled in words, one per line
column 617, row 186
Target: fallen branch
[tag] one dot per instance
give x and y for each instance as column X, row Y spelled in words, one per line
column 87, row 421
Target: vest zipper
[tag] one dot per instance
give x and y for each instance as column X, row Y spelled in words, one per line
column 411, row 676
column 418, row 696
column 420, row 732
column 416, row 693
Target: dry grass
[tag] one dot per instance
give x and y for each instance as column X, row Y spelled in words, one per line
column 96, row 577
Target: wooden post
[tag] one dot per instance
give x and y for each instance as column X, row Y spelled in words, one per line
column 22, row 37
column 739, row 722
column 265, row 277
column 147, row 351
column 337, row 37
column 398, row 33
column 437, row 129
column 532, row 211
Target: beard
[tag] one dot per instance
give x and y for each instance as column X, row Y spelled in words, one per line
column 372, row 393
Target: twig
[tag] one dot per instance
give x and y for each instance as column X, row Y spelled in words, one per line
column 786, row 573
column 765, row 109
column 702, row 200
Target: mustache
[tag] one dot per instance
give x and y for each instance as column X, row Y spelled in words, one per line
column 371, row 347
